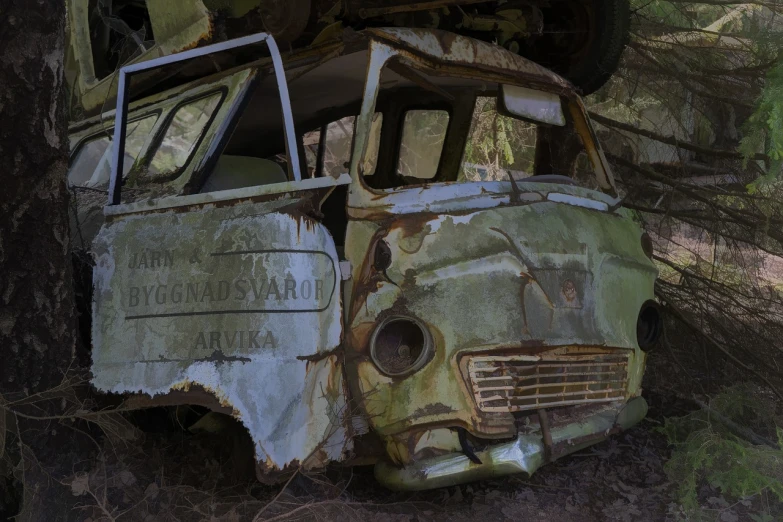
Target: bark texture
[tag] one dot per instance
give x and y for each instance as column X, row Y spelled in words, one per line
column 37, row 318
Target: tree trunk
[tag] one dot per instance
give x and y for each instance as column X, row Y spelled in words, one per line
column 37, row 318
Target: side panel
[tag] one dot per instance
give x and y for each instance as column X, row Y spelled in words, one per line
column 241, row 300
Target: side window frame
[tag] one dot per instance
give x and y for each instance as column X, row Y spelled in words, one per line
column 401, row 133
column 320, row 151
column 500, row 111
column 394, row 106
column 143, row 161
column 108, row 132
column 127, row 72
column 322, row 130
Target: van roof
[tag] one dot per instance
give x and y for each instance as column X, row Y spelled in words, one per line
column 445, row 48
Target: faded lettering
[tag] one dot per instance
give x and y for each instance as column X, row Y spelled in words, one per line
column 290, row 289
column 151, row 259
column 133, row 297
column 273, row 287
column 192, row 294
column 236, row 339
column 252, row 292
column 147, row 293
column 241, row 289
column 160, row 294
column 176, row 293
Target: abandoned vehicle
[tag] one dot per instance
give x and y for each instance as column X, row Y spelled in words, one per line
column 401, row 247
column 581, row 39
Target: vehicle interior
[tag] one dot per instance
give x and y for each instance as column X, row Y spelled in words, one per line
column 452, row 113
column 426, row 129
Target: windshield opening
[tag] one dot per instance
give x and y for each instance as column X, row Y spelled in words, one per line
column 498, row 146
column 421, row 146
column 446, row 129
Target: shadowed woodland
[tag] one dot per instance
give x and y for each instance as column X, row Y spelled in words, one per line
column 692, row 123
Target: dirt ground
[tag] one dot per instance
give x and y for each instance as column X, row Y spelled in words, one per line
column 183, row 477
column 175, row 475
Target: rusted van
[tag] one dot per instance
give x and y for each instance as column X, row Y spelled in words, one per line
column 403, row 248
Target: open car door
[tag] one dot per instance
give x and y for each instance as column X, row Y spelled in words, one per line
column 231, row 295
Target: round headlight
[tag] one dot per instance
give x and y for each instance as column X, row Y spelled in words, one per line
column 649, row 325
column 400, row 346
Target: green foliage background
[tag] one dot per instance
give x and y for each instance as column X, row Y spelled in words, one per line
column 706, row 448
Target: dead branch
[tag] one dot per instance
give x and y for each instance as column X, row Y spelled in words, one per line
column 671, row 140
column 740, row 431
column 271, row 502
column 742, row 218
column 707, row 337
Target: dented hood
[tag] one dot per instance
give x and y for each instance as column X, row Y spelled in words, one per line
column 554, row 267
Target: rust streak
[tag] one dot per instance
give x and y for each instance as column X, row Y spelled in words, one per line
column 320, row 355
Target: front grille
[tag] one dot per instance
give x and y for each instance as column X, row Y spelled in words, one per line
column 521, row 382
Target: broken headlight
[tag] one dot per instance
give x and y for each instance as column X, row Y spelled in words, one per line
column 400, row 346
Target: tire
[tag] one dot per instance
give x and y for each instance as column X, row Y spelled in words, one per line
column 583, row 40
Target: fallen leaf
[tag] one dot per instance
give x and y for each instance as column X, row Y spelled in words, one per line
column 80, row 484
column 151, row 492
column 127, row 478
column 729, row 516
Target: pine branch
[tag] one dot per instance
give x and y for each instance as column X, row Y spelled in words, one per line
column 700, row 332
column 736, row 429
column 671, row 140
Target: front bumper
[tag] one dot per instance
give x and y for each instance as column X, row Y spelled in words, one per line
column 524, row 455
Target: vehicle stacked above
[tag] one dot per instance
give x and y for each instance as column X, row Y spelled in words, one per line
column 581, row 39
column 401, row 246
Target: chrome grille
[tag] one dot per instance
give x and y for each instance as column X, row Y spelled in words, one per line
column 522, row 382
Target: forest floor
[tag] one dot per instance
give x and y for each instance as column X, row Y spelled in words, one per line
column 177, row 475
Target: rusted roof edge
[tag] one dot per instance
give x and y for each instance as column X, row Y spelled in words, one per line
column 516, row 67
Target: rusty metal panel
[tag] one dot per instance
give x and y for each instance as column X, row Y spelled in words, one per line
column 524, row 454
column 543, row 273
column 242, row 300
column 176, row 26
column 448, row 48
column 523, row 382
